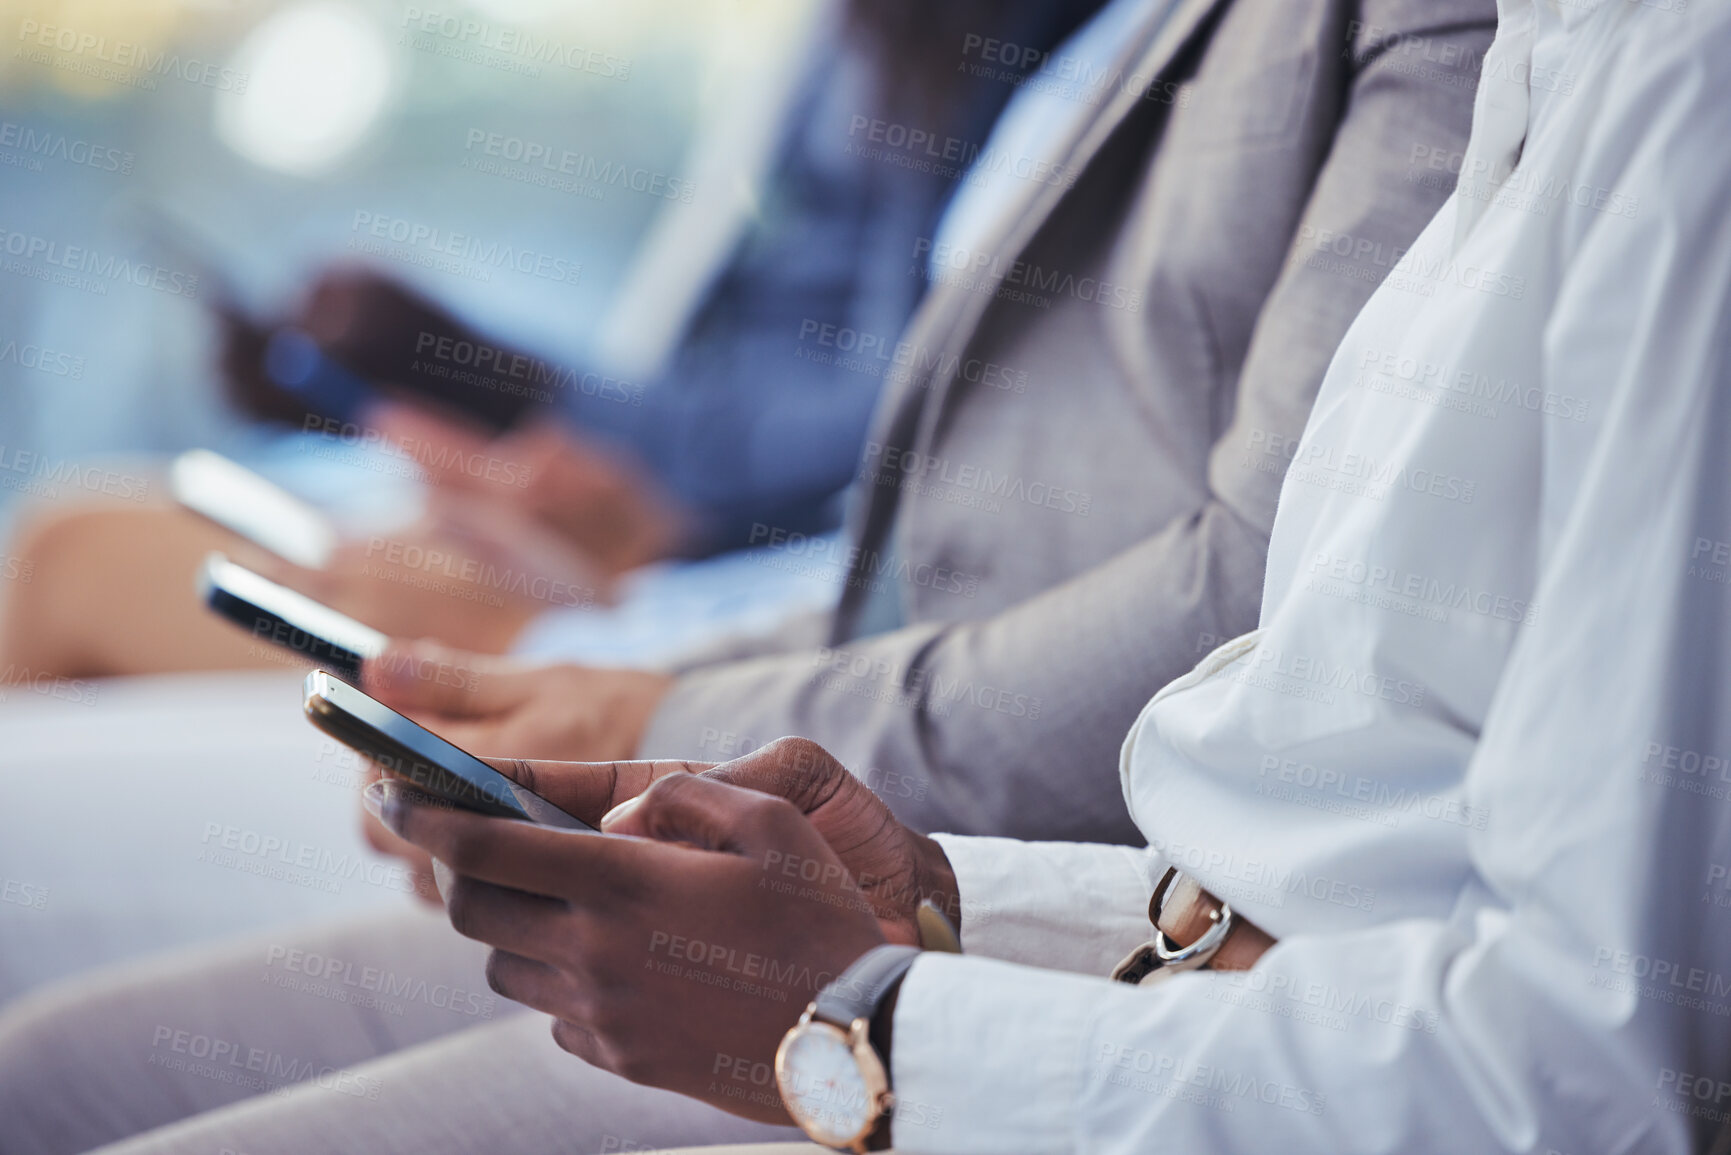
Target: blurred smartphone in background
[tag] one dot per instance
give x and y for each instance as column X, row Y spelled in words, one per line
column 242, row 502
column 287, row 618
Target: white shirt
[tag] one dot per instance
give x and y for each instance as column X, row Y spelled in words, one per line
column 1474, row 770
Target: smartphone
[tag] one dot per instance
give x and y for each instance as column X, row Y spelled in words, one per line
column 419, row 756
column 242, row 502
column 287, row 618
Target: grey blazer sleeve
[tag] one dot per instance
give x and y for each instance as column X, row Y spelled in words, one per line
column 1012, row 725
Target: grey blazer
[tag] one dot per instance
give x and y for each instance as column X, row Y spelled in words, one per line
column 1067, row 494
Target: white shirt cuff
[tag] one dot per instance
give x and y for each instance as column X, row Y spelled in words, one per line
column 1071, row 906
column 973, row 1075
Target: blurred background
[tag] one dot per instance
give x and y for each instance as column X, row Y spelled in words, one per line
column 157, row 156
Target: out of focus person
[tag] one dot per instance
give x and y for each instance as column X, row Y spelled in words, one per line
column 751, row 420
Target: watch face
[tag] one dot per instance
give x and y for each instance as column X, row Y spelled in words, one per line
column 822, row 1085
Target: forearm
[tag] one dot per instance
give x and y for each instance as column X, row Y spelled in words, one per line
column 1010, row 726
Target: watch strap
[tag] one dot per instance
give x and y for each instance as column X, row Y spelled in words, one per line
column 858, row 991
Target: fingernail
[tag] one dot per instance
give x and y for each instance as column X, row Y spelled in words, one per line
column 620, row 812
column 387, row 797
column 373, row 799
column 442, row 876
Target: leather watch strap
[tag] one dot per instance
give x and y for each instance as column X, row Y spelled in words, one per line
column 858, row 991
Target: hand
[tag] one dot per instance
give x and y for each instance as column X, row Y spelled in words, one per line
column 586, row 790
column 666, row 957
column 487, row 705
column 472, row 582
column 596, row 501
column 894, row 867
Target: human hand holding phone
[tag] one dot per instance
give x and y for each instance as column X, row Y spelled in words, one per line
column 895, row 868
column 600, row 932
column 560, row 712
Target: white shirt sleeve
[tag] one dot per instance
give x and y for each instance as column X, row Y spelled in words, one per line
column 1069, row 906
column 1584, row 1002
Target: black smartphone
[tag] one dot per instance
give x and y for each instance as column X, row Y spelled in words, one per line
column 422, row 758
column 287, row 618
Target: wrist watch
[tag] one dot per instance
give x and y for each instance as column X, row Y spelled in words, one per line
column 832, row 1081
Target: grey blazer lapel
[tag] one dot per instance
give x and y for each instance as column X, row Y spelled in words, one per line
column 946, row 320
column 956, row 310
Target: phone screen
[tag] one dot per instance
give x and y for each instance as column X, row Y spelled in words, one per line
column 416, row 754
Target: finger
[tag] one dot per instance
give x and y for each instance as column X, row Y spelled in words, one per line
column 576, row 1039
column 528, row 981
column 499, row 916
column 521, row 855
column 796, row 769
column 588, row 790
column 423, row 677
column 711, row 815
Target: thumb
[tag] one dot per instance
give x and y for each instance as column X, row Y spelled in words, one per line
column 588, row 790
column 711, row 815
column 423, row 677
